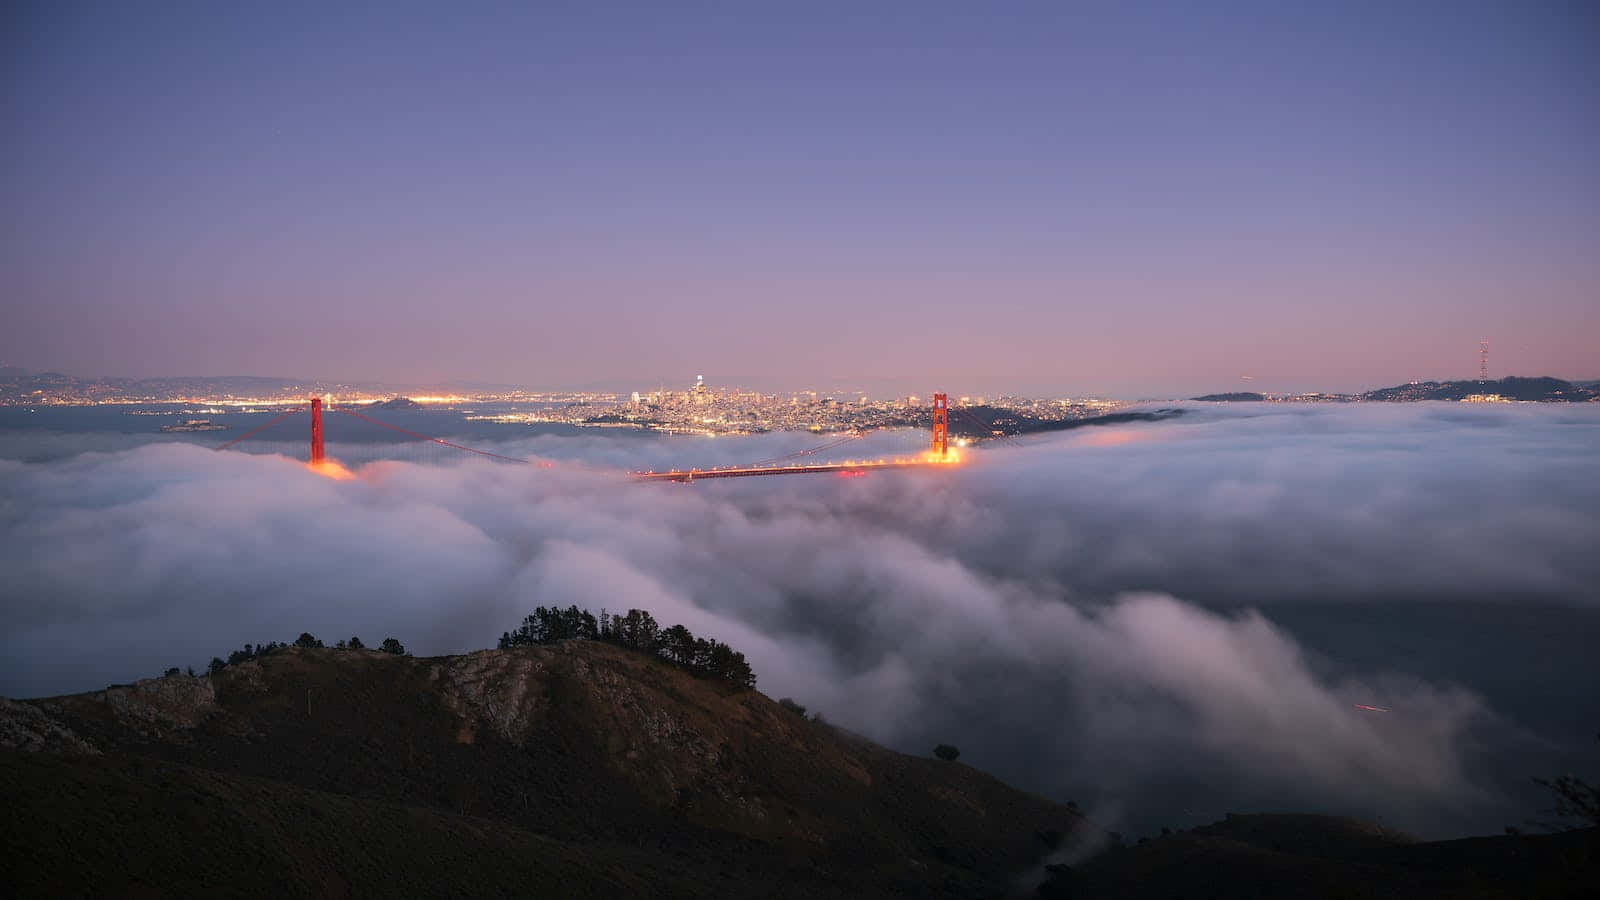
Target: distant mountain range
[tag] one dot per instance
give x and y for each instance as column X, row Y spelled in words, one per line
column 18, row 386
column 1542, row 390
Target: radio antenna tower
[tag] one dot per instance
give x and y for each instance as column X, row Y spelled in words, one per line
column 1483, row 362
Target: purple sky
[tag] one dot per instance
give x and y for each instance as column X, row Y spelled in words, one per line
column 1053, row 196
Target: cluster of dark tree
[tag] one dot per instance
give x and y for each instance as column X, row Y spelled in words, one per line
column 639, row 630
column 794, row 706
column 305, row 640
column 389, row 645
column 1575, row 799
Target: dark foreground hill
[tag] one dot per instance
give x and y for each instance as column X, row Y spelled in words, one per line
column 574, row 769
column 583, row 769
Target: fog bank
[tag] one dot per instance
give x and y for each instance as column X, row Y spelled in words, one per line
column 1091, row 613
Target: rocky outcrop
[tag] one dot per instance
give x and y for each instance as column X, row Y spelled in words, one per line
column 491, row 688
column 153, row 708
column 652, row 742
column 24, row 726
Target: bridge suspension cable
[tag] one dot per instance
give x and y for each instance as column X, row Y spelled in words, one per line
column 260, row 428
column 854, row 436
column 986, row 428
column 423, row 437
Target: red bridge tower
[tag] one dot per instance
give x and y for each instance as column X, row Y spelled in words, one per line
column 316, row 430
column 941, row 426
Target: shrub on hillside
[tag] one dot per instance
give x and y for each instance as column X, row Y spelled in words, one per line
column 639, row 630
column 946, row 752
column 306, row 640
column 249, row 652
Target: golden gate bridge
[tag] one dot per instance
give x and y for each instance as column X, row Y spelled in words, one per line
column 796, row 463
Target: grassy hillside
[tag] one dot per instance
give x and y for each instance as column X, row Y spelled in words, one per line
column 117, row 826
column 584, row 769
column 603, row 764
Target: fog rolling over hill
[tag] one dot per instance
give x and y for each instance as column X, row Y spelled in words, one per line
column 1164, row 620
column 586, row 769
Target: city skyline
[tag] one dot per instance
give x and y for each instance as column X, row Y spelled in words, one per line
column 1137, row 202
column 16, row 384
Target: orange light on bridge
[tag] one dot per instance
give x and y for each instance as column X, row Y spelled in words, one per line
column 331, row 468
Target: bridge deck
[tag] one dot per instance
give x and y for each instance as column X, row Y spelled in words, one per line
column 861, row 467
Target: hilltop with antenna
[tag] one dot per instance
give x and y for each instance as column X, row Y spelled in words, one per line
column 1512, row 388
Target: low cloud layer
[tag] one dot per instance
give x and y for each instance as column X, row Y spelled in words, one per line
column 1093, row 615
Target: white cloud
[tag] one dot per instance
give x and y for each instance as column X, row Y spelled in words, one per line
column 1038, row 606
